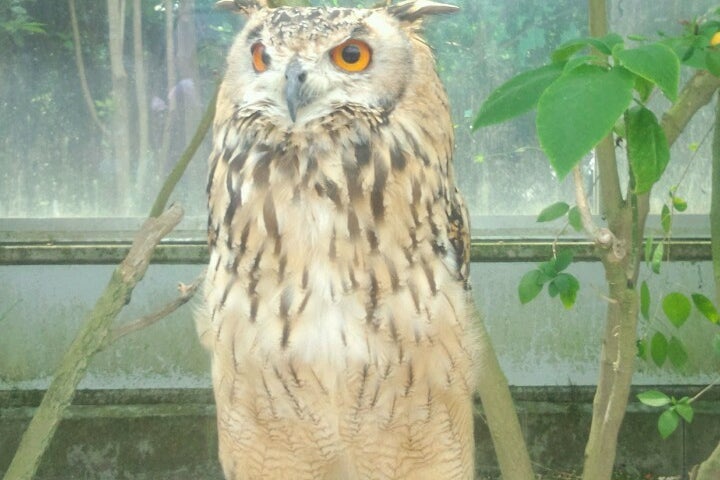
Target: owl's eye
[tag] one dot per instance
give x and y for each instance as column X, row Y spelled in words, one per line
column 260, row 58
column 352, row 55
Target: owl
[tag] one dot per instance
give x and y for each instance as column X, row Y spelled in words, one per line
column 337, row 294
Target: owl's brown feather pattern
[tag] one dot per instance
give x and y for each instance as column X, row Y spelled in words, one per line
column 337, row 305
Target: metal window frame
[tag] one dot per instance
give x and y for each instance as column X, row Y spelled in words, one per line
column 104, row 241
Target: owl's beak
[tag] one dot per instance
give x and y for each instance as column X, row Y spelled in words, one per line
column 295, row 77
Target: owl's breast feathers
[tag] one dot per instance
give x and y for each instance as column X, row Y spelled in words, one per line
column 342, row 244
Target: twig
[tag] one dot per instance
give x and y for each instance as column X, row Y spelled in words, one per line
column 702, row 392
column 603, row 237
column 186, row 293
column 698, row 92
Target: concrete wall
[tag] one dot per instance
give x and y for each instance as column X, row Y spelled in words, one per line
column 539, row 344
column 145, row 410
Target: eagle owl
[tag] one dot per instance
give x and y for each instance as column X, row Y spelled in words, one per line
column 336, row 299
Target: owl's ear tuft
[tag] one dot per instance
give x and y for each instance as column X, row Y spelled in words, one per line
column 246, row 7
column 414, row 10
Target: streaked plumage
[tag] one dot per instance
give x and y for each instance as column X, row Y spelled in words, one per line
column 337, row 291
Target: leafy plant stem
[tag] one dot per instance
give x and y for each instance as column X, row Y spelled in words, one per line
column 602, row 236
column 640, row 209
column 611, row 196
column 616, row 369
column 627, row 222
column 618, row 349
column 702, row 392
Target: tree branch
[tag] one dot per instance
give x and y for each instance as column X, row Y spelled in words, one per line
column 710, row 468
column 186, row 293
column 508, row 440
column 697, row 93
column 602, row 237
column 90, row 339
column 611, row 196
column 81, row 69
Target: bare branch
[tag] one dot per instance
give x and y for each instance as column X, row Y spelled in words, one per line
column 186, row 293
column 603, row 237
column 697, row 93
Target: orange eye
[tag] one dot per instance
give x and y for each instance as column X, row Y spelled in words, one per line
column 352, row 55
column 260, row 58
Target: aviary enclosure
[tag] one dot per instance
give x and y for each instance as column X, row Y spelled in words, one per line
column 587, row 148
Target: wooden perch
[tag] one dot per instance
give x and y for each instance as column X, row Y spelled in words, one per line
column 90, row 339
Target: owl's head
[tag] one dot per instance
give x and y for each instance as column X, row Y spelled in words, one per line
column 300, row 64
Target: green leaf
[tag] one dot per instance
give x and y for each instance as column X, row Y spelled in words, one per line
column 547, row 271
column 712, row 61
column 645, row 300
column 644, row 88
column 568, row 49
column 654, row 398
column 553, row 212
column 563, row 259
column 612, row 40
column 578, row 110
column 576, row 62
column 668, row 422
column 647, row 148
column 677, row 308
column 685, row 410
column 657, row 257
column 530, row 286
column 603, row 45
column 516, row 96
column 706, row 307
column 654, row 62
column 658, row 349
column 679, row 204
column 676, row 353
column 575, row 219
column 666, row 219
column 648, row 249
column 565, row 282
column 568, row 286
column 553, row 290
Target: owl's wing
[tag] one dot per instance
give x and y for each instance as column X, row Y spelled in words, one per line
column 459, row 235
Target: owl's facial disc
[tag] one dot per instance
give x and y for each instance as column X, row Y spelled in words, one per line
column 295, row 96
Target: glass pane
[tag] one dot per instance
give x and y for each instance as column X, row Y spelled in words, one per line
column 93, row 122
